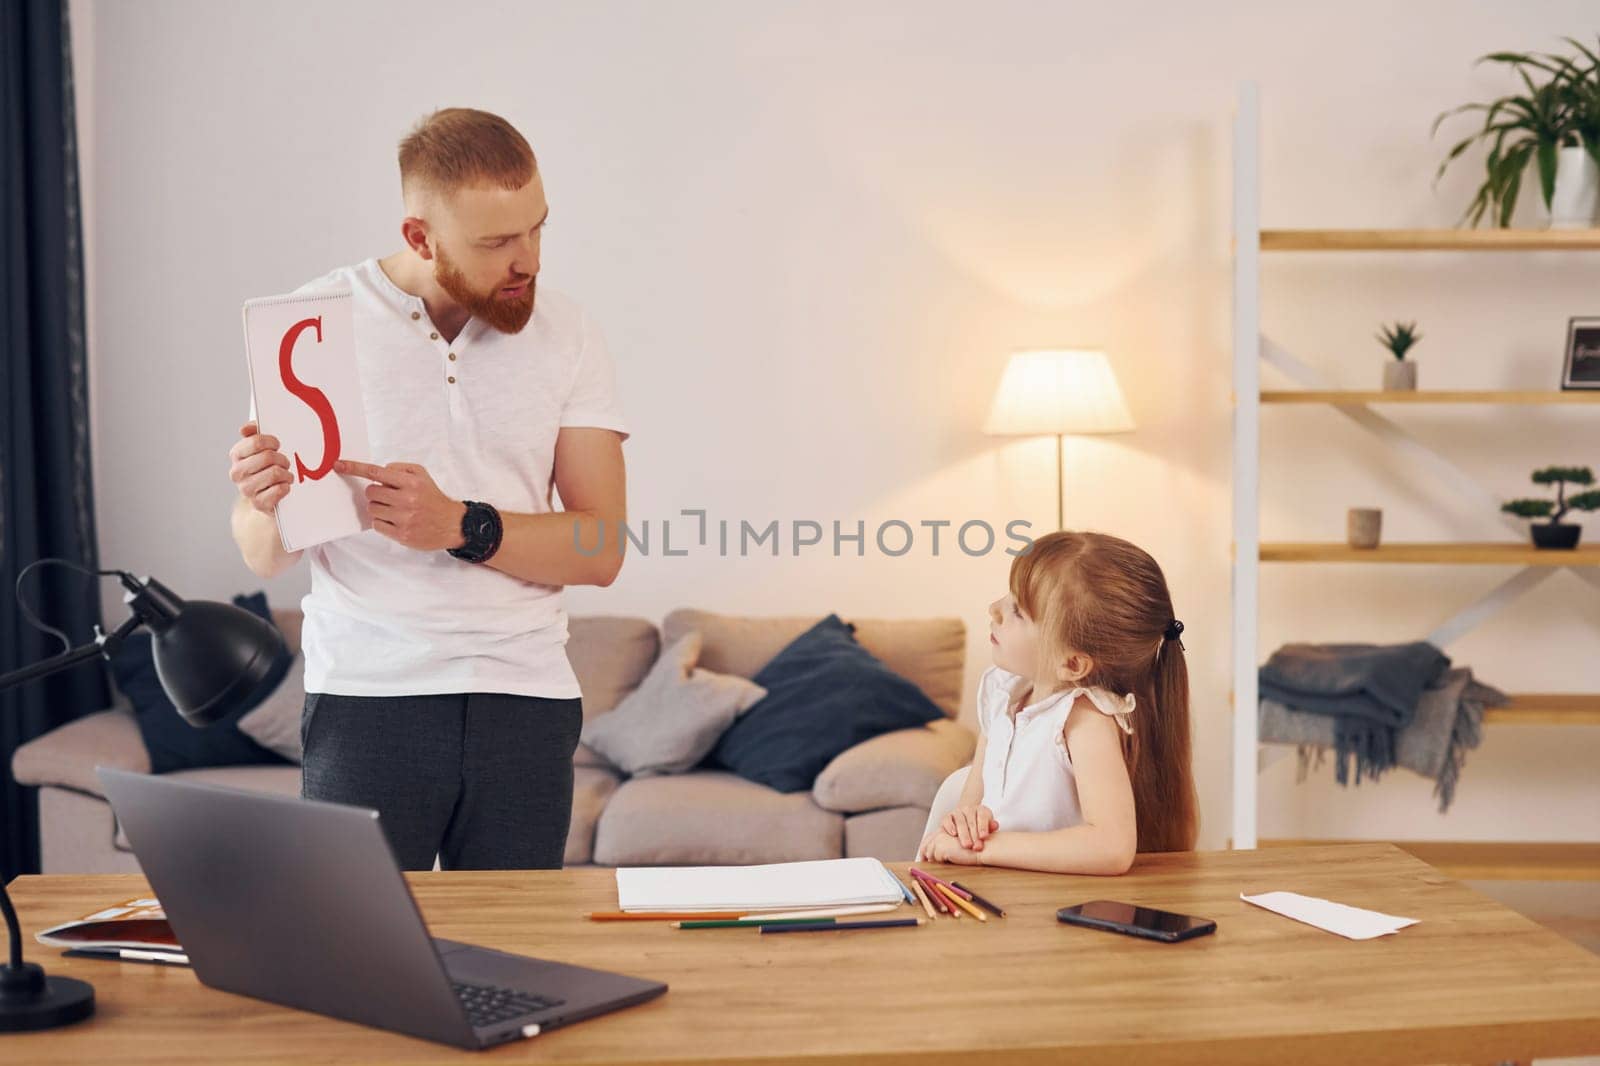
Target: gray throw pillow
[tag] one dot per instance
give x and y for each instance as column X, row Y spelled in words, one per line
column 674, row 718
column 274, row 723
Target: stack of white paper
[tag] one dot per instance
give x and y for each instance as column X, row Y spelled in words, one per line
column 775, row 886
column 1347, row 921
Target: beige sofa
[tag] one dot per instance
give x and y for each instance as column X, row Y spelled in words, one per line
column 871, row 800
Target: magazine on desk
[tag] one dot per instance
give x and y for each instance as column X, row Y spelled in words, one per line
column 133, row 925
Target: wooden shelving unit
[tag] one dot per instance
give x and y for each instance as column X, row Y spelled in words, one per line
column 1547, row 708
column 1480, row 860
column 1464, row 554
column 1429, row 240
column 1491, row 860
column 1348, row 398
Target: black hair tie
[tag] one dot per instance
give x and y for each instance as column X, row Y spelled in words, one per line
column 1174, row 631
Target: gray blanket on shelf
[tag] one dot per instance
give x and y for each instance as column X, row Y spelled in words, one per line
column 1369, row 692
column 1447, row 724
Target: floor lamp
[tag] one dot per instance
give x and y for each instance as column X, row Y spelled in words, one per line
column 211, row 658
column 1058, row 392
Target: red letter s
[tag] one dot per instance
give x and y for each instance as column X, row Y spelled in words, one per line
column 313, row 398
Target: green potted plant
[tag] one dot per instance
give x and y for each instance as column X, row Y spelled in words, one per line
column 1556, row 533
column 1532, row 128
column 1400, row 338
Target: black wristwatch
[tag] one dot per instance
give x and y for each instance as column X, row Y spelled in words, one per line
column 480, row 525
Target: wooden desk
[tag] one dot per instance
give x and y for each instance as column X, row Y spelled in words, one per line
column 1474, row 982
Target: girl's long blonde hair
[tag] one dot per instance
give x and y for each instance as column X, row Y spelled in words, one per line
column 1107, row 598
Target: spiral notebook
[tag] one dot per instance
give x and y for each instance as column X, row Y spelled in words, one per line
column 305, row 389
column 774, row 886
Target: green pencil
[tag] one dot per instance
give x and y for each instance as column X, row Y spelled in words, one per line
column 740, row 923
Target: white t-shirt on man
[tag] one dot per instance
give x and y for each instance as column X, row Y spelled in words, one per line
column 382, row 619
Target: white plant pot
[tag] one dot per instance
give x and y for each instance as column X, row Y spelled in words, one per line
column 1399, row 376
column 1576, row 198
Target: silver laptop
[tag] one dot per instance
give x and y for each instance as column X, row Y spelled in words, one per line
column 302, row 903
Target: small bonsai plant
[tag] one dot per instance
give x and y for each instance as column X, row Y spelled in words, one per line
column 1399, row 338
column 1555, row 533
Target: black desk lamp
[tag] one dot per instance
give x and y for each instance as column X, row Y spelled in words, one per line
column 209, row 657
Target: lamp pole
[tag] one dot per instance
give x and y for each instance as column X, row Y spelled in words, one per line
column 1061, row 483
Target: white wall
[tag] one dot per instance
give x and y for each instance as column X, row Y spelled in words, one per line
column 813, row 233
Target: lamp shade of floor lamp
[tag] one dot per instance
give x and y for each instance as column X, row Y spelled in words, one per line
column 1058, row 392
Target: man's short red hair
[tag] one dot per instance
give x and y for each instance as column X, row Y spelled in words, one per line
column 461, row 146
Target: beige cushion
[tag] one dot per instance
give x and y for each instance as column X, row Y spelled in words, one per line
column 591, row 789
column 930, row 653
column 890, row 835
column 67, row 756
column 274, row 723
column 610, row 657
column 674, row 718
column 712, row 818
column 902, row 768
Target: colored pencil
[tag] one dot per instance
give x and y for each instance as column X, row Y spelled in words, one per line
column 904, row 890
column 735, row 923
column 821, row 927
column 662, row 916
column 930, row 883
column 998, row 912
column 826, row 912
column 963, row 904
column 941, row 881
column 926, row 888
column 916, row 886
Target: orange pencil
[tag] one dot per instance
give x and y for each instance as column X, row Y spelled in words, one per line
column 963, row 904
column 670, row 916
column 933, row 890
column 916, row 886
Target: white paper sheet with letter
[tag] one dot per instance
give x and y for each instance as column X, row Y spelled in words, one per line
column 774, row 886
column 305, row 389
column 1347, row 921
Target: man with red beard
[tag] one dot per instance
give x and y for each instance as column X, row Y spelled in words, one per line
column 438, row 689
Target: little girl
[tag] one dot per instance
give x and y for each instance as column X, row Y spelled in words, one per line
column 1083, row 748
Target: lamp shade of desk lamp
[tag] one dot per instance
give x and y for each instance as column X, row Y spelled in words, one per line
column 211, row 658
column 1058, row 392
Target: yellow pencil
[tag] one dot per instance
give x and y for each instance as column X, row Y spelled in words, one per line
column 959, row 902
column 916, row 886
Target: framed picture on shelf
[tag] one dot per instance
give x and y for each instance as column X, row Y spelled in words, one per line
column 1583, row 354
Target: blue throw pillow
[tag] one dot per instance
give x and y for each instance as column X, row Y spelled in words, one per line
column 173, row 743
column 825, row 693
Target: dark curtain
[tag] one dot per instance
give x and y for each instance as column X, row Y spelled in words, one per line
column 46, row 504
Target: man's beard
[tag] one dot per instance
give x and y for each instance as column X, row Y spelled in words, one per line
column 507, row 316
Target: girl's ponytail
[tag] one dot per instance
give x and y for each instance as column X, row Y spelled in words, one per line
column 1158, row 755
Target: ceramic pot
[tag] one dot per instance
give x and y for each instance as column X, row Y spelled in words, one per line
column 1576, row 197
column 1399, row 376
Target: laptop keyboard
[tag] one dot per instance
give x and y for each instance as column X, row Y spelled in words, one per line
column 491, row 1004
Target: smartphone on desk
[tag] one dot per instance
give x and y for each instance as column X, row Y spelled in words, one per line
column 1132, row 920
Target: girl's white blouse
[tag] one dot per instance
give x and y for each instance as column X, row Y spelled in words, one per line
column 1028, row 780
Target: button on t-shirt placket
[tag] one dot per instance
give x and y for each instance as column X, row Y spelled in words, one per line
column 451, row 364
column 452, row 376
